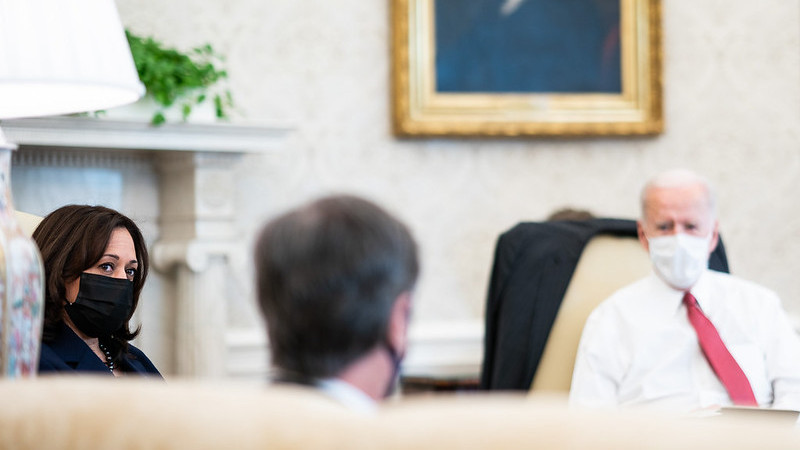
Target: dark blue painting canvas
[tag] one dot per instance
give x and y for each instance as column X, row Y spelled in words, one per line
column 527, row 46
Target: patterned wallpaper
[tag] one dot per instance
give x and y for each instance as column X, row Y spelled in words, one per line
column 732, row 104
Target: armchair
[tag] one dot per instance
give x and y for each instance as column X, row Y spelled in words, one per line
column 28, row 222
column 546, row 279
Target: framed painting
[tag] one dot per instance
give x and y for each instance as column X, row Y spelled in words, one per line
column 526, row 67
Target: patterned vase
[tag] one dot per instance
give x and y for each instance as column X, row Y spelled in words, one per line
column 21, row 285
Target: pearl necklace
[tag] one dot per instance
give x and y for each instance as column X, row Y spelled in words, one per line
column 109, row 362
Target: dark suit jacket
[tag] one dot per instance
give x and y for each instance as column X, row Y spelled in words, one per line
column 68, row 353
column 533, row 265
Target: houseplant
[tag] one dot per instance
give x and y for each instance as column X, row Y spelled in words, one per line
column 174, row 78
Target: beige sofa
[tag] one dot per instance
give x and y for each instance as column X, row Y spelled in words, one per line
column 102, row 413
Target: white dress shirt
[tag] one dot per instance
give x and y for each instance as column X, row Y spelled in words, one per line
column 638, row 347
column 348, row 395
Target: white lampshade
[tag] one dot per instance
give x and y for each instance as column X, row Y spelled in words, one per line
column 63, row 56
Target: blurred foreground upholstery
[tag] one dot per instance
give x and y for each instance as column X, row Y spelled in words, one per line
column 103, row 413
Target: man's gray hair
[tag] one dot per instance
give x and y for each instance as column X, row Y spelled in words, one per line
column 680, row 178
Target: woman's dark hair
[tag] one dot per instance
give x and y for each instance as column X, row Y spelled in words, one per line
column 72, row 239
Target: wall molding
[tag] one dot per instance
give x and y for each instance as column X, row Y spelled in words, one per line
column 436, row 349
column 445, row 349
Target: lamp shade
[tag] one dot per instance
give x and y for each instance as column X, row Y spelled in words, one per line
column 63, row 56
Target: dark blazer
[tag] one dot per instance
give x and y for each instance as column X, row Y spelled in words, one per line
column 67, row 353
column 533, row 264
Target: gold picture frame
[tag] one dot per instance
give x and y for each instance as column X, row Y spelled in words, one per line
column 419, row 109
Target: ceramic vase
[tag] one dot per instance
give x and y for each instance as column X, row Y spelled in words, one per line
column 21, row 285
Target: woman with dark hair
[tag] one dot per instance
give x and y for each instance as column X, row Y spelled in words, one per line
column 95, row 263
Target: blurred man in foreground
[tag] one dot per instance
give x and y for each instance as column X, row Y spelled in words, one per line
column 334, row 281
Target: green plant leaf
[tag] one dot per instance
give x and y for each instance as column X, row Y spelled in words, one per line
column 158, row 119
column 169, row 74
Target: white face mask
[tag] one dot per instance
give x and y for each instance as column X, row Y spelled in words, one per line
column 679, row 259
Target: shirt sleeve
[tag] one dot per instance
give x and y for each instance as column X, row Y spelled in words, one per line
column 782, row 357
column 596, row 377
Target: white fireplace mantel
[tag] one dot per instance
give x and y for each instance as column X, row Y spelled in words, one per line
column 88, row 133
column 196, row 166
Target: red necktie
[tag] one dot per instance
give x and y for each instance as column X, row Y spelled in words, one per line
column 726, row 368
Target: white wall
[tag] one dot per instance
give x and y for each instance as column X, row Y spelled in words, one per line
column 732, row 104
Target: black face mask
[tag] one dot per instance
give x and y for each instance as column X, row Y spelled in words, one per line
column 102, row 306
column 397, row 359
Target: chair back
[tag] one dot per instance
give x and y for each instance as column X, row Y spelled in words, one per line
column 607, row 264
column 28, row 222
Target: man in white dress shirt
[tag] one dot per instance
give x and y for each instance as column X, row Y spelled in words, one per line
column 334, row 281
column 639, row 348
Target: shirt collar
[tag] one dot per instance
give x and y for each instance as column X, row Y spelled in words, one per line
column 673, row 303
column 667, row 299
column 348, row 395
column 703, row 291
